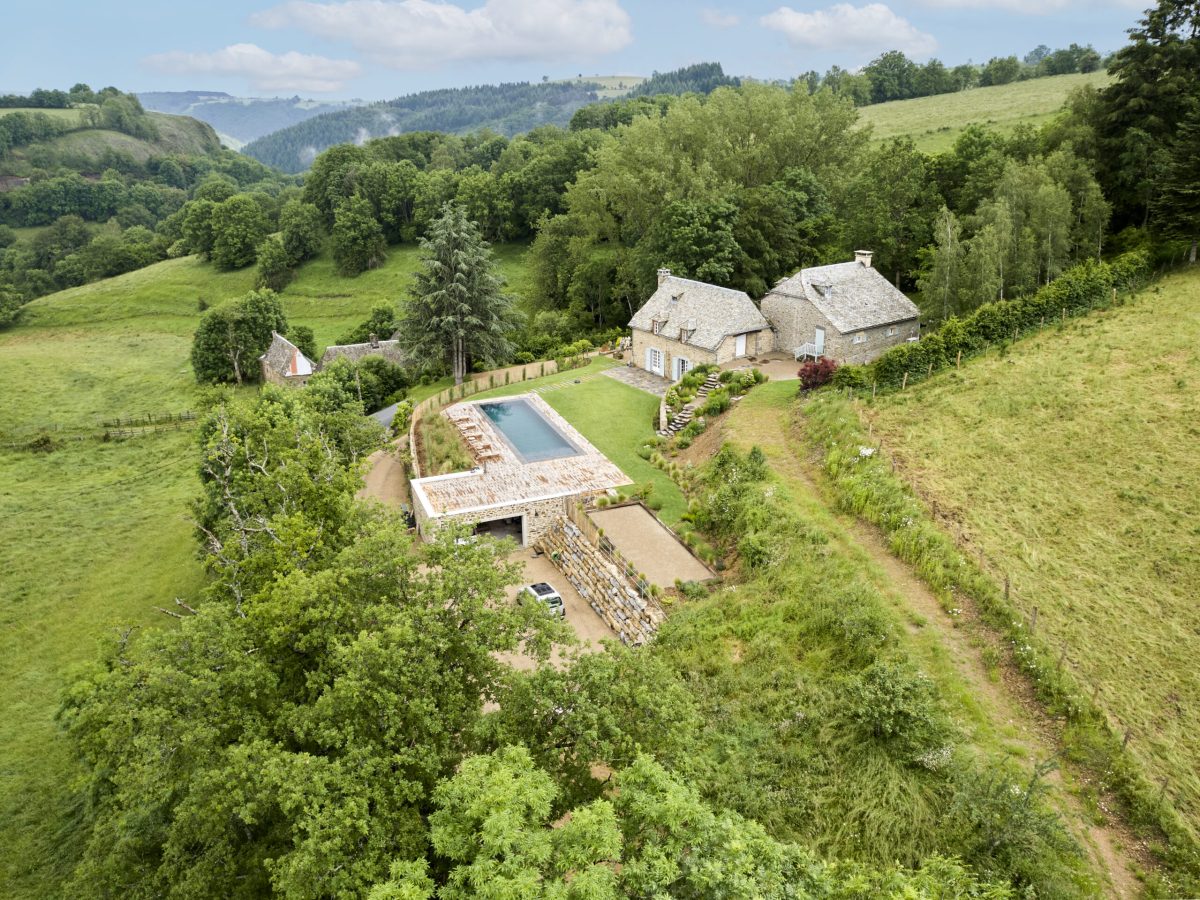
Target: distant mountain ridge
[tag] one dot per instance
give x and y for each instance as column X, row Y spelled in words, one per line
column 240, row 120
column 507, row 109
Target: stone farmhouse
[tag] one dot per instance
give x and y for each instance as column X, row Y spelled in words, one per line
column 389, row 350
column 689, row 323
column 847, row 311
column 284, row 364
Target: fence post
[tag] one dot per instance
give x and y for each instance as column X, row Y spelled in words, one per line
column 1033, row 621
column 904, row 383
column 958, row 360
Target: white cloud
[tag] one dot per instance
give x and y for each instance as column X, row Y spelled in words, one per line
column 409, row 33
column 1030, row 7
column 266, row 71
column 719, row 18
column 871, row 28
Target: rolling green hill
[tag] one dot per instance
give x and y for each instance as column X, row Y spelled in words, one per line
column 96, row 533
column 91, row 149
column 934, row 122
column 1069, row 462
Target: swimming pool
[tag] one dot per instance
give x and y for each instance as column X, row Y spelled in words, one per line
column 526, row 430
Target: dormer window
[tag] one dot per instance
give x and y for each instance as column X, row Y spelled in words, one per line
column 656, row 325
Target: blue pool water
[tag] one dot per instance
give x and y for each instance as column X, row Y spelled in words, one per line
column 527, row 431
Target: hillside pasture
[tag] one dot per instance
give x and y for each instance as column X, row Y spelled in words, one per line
column 934, row 123
column 1070, row 463
column 73, row 116
column 96, row 533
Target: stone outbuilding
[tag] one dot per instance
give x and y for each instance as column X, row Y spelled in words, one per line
column 389, row 350
column 848, row 312
column 284, row 364
column 689, row 323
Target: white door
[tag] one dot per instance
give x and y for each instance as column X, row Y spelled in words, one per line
column 819, row 342
column 739, row 346
column 654, row 360
column 681, row 367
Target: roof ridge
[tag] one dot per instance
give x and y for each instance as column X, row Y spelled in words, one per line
column 709, row 284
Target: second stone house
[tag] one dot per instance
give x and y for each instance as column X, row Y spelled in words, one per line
column 847, row 311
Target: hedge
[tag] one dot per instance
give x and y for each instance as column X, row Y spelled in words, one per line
column 1082, row 287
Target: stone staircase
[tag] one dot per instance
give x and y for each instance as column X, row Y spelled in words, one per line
column 684, row 416
column 602, row 582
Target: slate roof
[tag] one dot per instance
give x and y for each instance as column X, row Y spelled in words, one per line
column 389, row 350
column 855, row 296
column 284, row 358
column 713, row 312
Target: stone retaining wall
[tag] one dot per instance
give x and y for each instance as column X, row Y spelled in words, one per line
column 602, row 583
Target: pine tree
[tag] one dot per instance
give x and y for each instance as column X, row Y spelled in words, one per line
column 458, row 313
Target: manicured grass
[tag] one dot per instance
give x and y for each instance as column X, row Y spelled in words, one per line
column 1071, row 462
column 935, row 122
column 616, row 418
column 96, row 534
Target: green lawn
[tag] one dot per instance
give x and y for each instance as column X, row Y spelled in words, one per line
column 616, row 418
column 71, row 116
column 96, row 534
column 935, row 122
column 1071, row 461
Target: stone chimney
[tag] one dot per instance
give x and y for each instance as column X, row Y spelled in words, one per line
column 863, row 257
column 374, row 339
column 663, row 275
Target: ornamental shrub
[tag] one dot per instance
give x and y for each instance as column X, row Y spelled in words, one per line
column 817, row 372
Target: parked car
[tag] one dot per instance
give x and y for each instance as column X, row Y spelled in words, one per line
column 547, row 595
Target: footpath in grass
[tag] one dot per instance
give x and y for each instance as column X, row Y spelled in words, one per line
column 616, row 418
column 994, row 720
column 1070, row 462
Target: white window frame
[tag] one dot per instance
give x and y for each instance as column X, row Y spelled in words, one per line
column 860, row 337
column 656, row 361
column 892, row 330
column 657, row 326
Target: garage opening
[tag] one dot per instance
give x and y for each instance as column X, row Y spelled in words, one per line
column 511, row 527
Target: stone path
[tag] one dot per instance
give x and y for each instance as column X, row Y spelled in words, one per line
column 640, row 379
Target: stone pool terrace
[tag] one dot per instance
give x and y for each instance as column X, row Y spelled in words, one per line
column 502, row 478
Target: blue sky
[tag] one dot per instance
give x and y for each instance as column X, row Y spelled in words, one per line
column 377, row 49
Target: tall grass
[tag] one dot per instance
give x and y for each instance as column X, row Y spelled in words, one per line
column 793, row 666
column 865, row 485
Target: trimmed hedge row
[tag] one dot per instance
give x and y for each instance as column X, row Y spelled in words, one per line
column 1082, row 287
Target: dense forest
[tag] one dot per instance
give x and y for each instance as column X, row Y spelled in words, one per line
column 504, row 108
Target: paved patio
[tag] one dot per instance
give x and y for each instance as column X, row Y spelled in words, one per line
column 640, row 379
column 777, row 365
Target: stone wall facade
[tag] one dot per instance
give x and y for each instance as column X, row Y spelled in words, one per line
column 270, row 376
column 757, row 342
column 602, row 583
column 796, row 322
column 539, row 515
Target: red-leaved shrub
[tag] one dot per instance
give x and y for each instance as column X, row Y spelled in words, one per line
column 817, row 372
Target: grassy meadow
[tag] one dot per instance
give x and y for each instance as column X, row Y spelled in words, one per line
column 934, row 123
column 96, row 533
column 1071, row 462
